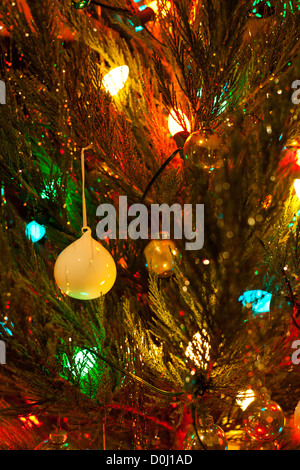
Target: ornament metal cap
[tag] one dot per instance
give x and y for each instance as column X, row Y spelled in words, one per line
column 180, row 138
column 146, row 15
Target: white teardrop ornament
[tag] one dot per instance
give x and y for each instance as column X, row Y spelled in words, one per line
column 85, row 269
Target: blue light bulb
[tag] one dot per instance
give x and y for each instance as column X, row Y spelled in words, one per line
column 260, row 300
column 35, row 231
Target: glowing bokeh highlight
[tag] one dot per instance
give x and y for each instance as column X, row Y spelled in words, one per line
column 198, row 350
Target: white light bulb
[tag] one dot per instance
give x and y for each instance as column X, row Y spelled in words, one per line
column 114, row 80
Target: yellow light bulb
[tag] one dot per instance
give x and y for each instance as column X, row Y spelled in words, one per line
column 297, row 187
column 174, row 123
column 159, row 258
column 114, row 80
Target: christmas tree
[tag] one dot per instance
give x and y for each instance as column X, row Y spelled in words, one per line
column 150, row 231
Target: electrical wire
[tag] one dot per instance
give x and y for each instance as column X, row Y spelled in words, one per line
column 158, row 173
column 135, row 377
column 84, row 216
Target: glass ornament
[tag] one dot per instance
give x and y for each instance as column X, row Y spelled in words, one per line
column 263, row 419
column 58, row 440
column 201, row 149
column 85, row 269
column 297, row 416
column 212, row 436
column 160, row 255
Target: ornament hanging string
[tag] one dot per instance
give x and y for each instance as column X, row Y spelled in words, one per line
column 194, row 416
column 103, row 431
column 84, row 216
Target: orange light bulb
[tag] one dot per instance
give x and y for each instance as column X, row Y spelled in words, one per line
column 164, row 11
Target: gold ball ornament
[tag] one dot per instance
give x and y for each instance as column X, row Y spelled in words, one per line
column 58, row 440
column 160, row 255
column 202, row 149
column 85, row 270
